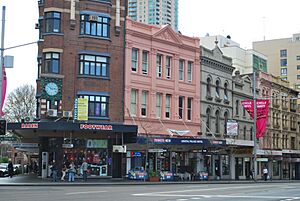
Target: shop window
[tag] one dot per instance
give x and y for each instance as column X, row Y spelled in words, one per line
column 97, row 105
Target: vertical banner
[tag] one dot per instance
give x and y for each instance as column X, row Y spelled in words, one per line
column 82, row 107
column 232, row 128
column 262, row 109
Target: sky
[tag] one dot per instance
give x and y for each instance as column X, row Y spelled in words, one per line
column 244, row 20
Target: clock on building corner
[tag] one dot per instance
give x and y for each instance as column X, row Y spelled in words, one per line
column 51, row 88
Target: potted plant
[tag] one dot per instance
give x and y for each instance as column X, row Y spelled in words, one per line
column 154, row 176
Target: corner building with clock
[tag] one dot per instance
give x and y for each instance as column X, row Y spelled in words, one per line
column 80, row 55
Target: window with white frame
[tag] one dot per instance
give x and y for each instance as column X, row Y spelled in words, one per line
column 144, row 103
column 158, row 104
column 94, row 25
column 98, row 105
column 180, row 106
column 168, row 67
column 168, row 106
column 190, row 71
column 133, row 102
column 158, row 65
column 189, row 108
column 181, row 69
column 145, row 56
column 93, row 65
column 134, row 59
column 52, row 62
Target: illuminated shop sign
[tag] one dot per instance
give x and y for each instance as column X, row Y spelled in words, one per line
column 96, row 127
column 183, row 141
column 29, row 125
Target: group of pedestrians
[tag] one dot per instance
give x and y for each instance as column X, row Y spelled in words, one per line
column 71, row 170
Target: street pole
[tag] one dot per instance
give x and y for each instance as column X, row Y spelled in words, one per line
column 2, row 56
column 254, row 128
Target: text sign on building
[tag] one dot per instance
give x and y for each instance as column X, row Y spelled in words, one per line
column 232, row 128
column 96, row 127
column 82, row 107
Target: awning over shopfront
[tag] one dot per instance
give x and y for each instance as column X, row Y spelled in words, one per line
column 33, row 130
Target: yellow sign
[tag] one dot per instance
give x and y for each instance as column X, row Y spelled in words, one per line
column 83, row 109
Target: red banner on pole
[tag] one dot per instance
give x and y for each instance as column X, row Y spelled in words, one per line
column 262, row 109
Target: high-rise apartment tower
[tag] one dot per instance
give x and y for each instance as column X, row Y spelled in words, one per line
column 158, row 12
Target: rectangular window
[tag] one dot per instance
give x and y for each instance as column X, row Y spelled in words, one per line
column 133, row 102
column 144, row 103
column 158, row 104
column 298, row 77
column 41, row 28
column 158, row 65
column 283, row 62
column 52, row 22
column 283, row 53
column 168, row 67
column 180, row 106
column 283, row 71
column 189, row 108
column 52, row 62
column 145, row 62
column 98, row 105
column 94, row 25
column 190, row 71
column 181, row 69
column 298, row 58
column 168, row 106
column 134, row 59
column 93, row 65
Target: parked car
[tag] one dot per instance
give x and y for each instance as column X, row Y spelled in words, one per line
column 3, row 171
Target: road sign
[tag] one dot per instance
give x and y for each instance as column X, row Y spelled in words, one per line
column 5, row 138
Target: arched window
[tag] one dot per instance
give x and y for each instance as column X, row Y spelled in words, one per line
column 218, row 89
column 208, row 119
column 251, row 133
column 225, row 122
column 208, row 87
column 245, row 130
column 217, row 121
column 225, row 91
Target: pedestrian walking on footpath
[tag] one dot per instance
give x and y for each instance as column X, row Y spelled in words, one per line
column 71, row 172
column 84, row 168
column 54, row 170
column 265, row 172
column 10, row 168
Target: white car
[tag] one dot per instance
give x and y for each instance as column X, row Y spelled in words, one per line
column 3, row 171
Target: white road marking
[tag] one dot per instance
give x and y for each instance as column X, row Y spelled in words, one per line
column 85, row 192
column 196, row 198
column 206, row 189
column 217, row 196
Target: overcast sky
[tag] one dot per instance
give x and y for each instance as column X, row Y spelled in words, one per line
column 244, row 20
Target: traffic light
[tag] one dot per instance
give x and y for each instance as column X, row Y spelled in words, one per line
column 2, row 126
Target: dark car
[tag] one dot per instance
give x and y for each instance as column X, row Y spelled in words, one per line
column 3, row 171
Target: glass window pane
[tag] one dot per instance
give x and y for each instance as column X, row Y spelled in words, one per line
column 97, row 109
column 98, row 67
column 92, row 98
column 55, row 55
column 104, row 69
column 86, row 68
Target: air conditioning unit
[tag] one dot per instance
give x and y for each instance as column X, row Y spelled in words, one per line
column 67, row 114
column 119, row 148
column 93, row 18
column 52, row 113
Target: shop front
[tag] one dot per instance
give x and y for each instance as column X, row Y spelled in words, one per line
column 67, row 142
column 178, row 158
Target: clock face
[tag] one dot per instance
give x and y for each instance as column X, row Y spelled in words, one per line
column 51, row 89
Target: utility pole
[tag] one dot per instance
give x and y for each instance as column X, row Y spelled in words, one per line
column 2, row 56
column 254, row 127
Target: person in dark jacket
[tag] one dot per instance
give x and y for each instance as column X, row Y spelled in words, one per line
column 54, row 171
column 10, row 168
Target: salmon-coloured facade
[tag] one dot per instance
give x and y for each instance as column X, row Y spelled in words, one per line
column 162, row 81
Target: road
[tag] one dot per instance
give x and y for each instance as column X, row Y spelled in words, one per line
column 175, row 192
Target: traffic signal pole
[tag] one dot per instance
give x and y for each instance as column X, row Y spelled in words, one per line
column 2, row 57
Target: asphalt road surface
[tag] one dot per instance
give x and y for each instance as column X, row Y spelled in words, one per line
column 175, row 192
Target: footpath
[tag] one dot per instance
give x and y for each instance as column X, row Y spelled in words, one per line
column 34, row 180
